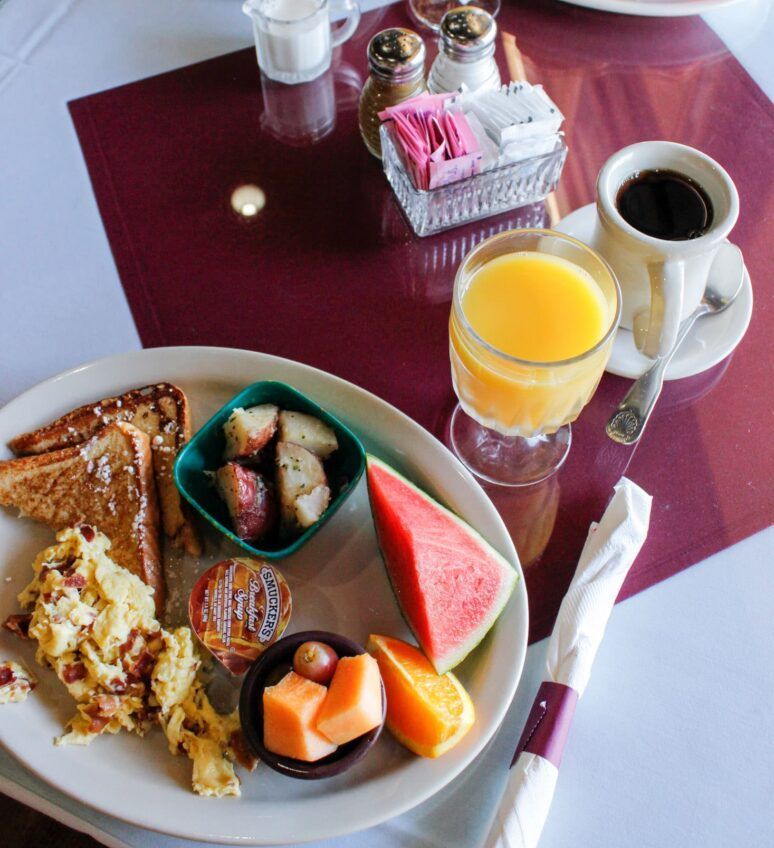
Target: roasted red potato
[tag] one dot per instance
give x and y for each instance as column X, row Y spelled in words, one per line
column 299, row 472
column 307, row 431
column 250, row 500
column 248, row 431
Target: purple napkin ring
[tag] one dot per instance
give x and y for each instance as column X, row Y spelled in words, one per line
column 548, row 723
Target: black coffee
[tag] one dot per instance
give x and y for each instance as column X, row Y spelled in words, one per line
column 665, row 205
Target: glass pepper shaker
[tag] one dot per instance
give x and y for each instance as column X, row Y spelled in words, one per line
column 466, row 52
column 396, row 58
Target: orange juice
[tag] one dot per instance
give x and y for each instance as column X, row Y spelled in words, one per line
column 537, row 311
column 536, row 307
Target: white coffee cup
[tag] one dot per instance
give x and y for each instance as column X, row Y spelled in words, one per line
column 662, row 281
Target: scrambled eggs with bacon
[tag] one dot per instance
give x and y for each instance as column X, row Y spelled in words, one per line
column 15, row 682
column 95, row 625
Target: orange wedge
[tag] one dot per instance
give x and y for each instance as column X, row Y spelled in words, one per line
column 427, row 712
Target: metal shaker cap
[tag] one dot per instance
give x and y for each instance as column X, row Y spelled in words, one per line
column 396, row 54
column 468, row 33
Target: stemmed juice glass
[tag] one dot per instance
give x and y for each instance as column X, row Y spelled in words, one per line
column 512, row 423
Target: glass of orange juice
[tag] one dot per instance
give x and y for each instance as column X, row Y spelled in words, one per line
column 533, row 317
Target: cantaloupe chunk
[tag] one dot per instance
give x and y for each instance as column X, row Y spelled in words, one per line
column 354, row 702
column 290, row 712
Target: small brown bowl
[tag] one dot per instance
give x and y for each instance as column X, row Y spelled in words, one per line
column 275, row 662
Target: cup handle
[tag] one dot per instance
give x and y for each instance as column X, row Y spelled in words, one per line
column 342, row 32
column 655, row 332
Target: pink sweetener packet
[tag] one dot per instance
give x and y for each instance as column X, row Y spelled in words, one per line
column 456, row 146
column 439, row 147
column 463, row 139
column 421, row 103
column 421, row 120
column 450, row 170
column 410, row 138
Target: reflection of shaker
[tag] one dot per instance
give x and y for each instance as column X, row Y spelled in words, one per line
column 466, row 54
column 396, row 58
column 300, row 115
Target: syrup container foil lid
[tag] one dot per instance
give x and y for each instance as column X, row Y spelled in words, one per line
column 238, row 608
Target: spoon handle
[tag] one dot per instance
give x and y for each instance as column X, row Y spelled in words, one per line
column 631, row 416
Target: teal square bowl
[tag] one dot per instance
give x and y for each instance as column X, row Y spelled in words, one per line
column 205, row 453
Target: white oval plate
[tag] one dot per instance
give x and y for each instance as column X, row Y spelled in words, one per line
column 654, row 8
column 337, row 581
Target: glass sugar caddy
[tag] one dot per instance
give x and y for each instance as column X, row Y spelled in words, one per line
column 473, row 198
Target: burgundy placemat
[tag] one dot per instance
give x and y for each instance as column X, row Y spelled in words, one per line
column 330, row 274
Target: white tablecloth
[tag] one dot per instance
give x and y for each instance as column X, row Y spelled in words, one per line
column 673, row 743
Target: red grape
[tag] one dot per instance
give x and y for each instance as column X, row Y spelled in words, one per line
column 316, row 661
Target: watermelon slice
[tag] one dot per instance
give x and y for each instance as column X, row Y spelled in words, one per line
column 450, row 583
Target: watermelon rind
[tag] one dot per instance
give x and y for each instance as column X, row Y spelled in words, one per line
column 510, row 575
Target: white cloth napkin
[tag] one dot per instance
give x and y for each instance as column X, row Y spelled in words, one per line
column 609, row 552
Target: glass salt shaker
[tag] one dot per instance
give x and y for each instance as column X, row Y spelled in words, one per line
column 466, row 52
column 396, row 58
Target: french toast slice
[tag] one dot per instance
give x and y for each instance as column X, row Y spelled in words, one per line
column 161, row 411
column 107, row 482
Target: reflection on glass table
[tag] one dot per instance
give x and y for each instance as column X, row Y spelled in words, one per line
column 530, row 514
column 425, row 268
column 303, row 114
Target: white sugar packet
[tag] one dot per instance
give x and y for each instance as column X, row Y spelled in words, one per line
column 512, row 113
column 611, row 548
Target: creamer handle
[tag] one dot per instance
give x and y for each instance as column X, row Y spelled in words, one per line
column 342, row 32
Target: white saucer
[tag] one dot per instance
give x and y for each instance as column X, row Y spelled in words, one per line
column 711, row 339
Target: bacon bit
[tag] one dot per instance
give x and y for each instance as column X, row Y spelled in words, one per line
column 19, row 624
column 101, row 711
column 97, row 723
column 6, row 675
column 242, row 753
column 87, row 532
column 61, row 567
column 118, row 685
column 142, row 667
column 128, row 645
column 74, row 581
column 74, row 671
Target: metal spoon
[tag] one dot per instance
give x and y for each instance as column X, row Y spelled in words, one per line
column 725, row 283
